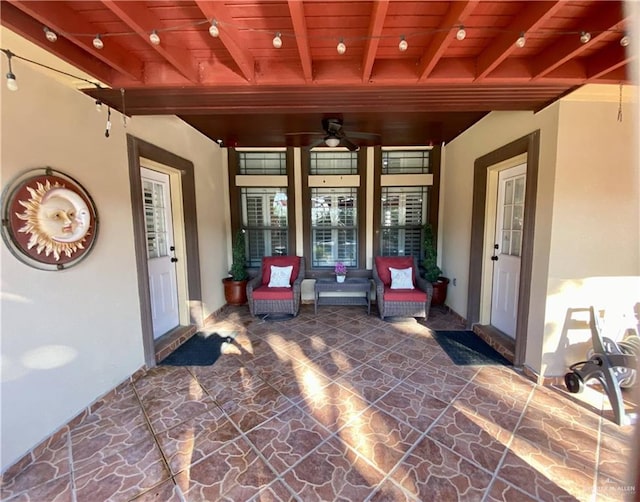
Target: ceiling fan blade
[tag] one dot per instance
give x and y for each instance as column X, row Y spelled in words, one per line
column 304, row 133
column 349, row 144
column 364, row 135
column 315, row 143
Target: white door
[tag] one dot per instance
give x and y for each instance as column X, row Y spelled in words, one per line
column 507, row 249
column 160, row 251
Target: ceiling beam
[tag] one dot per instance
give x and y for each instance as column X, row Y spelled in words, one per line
column 605, row 18
column 457, row 14
column 373, row 40
column 69, row 24
column 529, row 19
column 29, row 28
column 229, row 36
column 143, row 21
column 605, row 61
column 296, row 9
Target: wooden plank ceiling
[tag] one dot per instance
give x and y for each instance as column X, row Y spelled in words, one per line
column 239, row 88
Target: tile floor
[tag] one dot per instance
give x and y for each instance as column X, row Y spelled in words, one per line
column 334, row 406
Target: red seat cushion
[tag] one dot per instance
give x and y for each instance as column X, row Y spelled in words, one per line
column 404, row 295
column 266, row 293
column 280, row 261
column 384, row 262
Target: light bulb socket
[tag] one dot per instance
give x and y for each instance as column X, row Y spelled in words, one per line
column 213, row 29
column 12, row 84
column 154, row 38
column 461, row 33
column 50, row 35
column 403, row 45
column 585, row 36
column 98, row 105
column 341, row 47
column 277, row 41
column 97, row 42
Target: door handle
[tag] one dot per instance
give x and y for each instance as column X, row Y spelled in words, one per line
column 494, row 258
column 174, row 259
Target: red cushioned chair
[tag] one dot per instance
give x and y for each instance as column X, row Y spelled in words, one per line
column 401, row 302
column 263, row 299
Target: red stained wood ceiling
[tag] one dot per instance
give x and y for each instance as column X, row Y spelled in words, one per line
column 239, row 88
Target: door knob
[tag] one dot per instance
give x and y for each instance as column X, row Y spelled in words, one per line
column 494, row 258
column 174, row 259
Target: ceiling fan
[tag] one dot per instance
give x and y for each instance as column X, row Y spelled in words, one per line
column 334, row 135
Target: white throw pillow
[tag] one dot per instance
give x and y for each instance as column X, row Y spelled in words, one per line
column 401, row 278
column 280, row 277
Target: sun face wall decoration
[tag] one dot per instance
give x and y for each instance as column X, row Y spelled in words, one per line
column 49, row 221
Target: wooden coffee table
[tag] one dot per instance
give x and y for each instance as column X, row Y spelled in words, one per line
column 350, row 285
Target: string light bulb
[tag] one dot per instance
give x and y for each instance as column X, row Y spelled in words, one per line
column 97, row 42
column 50, row 35
column 585, row 36
column 277, row 41
column 341, row 48
column 12, row 84
column 462, row 33
column 98, row 106
column 403, row 45
column 521, row 41
column 154, row 38
column 625, row 40
column 213, row 29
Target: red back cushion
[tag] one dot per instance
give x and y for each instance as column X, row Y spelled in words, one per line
column 280, row 261
column 384, row 262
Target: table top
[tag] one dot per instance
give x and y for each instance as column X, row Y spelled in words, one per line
column 350, row 284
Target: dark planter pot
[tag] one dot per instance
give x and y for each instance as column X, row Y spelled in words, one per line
column 439, row 291
column 235, row 292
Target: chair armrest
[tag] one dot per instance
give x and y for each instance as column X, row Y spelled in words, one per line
column 255, row 282
column 424, row 285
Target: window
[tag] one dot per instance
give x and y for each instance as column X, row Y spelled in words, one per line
column 264, row 217
column 403, row 215
column 513, row 216
column 262, row 163
column 405, row 199
column 334, row 226
column 334, row 162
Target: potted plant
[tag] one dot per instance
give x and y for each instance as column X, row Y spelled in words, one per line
column 235, row 286
column 432, row 272
column 341, row 271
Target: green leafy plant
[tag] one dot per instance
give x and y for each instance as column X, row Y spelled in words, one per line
column 238, row 266
column 430, row 265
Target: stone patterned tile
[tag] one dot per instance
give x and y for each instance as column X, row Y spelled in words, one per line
column 358, row 326
column 52, row 462
column 383, row 338
column 166, row 491
column 272, row 365
column 505, row 381
column 275, row 492
column 163, row 380
column 234, row 388
column 196, row 438
column 334, row 364
column 234, row 472
column 358, row 351
column 379, row 438
column 496, row 412
column 616, row 448
column 164, row 412
column 122, row 476
column 501, row 491
column 58, row 489
column 437, row 382
column 432, row 472
column 546, row 430
column 572, row 413
column 408, row 403
column 286, row 438
column 332, row 472
column 334, row 407
column 469, row 438
column 545, row 475
column 98, row 438
column 388, row 491
column 394, row 363
column 368, row 382
column 262, row 403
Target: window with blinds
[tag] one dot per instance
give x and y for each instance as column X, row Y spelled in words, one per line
column 333, row 163
column 334, row 226
column 154, row 217
column 262, row 163
column 264, row 218
column 403, row 215
column 405, row 161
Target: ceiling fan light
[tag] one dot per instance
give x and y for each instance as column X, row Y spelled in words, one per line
column 332, row 141
column 462, row 33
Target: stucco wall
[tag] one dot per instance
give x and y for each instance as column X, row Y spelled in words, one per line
column 70, row 336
